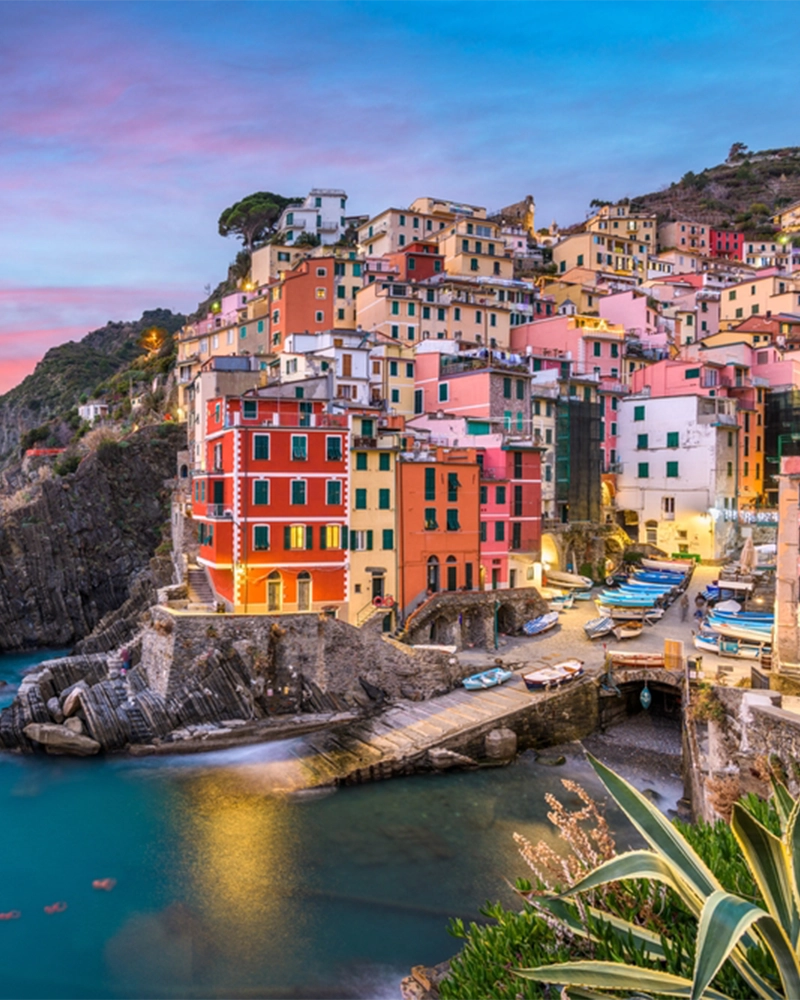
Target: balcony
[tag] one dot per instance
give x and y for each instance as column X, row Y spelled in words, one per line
column 364, row 442
column 218, row 512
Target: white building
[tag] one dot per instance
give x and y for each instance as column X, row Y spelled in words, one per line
column 344, row 357
column 93, row 411
column 679, row 474
column 321, row 214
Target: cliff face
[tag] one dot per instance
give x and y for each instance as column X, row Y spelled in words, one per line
column 70, row 556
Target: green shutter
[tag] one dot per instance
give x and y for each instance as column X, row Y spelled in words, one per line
column 641, row 440
column 344, row 537
column 430, row 484
column 388, row 538
column 309, row 537
column 672, row 439
column 672, row 470
column 638, row 413
column 369, row 539
column 287, row 537
column 323, row 541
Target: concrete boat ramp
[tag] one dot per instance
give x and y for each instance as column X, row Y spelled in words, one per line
column 430, row 735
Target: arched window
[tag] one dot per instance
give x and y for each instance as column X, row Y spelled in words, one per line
column 274, row 591
column 184, row 472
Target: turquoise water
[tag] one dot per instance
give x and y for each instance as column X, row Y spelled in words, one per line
column 225, row 891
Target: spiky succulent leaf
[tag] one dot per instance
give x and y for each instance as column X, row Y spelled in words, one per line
column 615, row 976
column 568, row 915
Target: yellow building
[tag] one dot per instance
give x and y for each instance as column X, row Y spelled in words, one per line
column 268, row 263
column 596, row 251
column 391, row 379
column 767, row 296
column 788, row 220
column 394, row 228
column 476, row 249
column 373, row 517
column 584, row 295
column 620, row 221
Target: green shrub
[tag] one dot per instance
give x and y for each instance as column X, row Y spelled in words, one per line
column 67, row 465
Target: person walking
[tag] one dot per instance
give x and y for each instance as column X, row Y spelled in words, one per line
column 684, row 608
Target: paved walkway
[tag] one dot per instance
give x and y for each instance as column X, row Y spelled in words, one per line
column 569, row 639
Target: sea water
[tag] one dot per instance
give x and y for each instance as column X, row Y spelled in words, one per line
column 224, row 890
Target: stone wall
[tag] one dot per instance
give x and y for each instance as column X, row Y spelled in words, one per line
column 297, row 655
column 466, row 618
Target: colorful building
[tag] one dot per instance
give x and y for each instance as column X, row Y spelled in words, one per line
column 271, row 506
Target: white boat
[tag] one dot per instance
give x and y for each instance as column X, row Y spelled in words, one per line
column 734, row 631
column 570, row 580
column 550, row 677
column 667, row 566
column 617, row 612
column 563, row 603
column 724, row 646
column 628, row 630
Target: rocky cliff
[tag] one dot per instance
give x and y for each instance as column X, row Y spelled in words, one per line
column 70, row 556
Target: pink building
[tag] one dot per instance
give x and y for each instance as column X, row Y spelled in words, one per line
column 638, row 314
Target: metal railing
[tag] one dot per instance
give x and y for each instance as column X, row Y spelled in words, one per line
column 218, row 511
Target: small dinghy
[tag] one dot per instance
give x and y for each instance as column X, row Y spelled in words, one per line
column 562, row 603
column 723, row 646
column 541, row 624
column 550, row 677
column 628, row 630
column 598, row 627
column 571, row 580
column 487, row 679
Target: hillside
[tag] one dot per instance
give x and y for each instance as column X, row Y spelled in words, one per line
column 743, row 193
column 70, row 370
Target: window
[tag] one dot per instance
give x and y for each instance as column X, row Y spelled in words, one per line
column 412, row 309
column 499, row 494
column 452, row 487
column 672, row 439
column 692, row 373
column 430, row 484
column 484, row 495
column 261, row 446
column 548, row 473
column 384, row 499
column 520, row 389
column 615, row 350
column 330, row 536
column 483, row 531
column 499, row 531
column 295, row 537
column 457, row 313
column 672, row 470
column 641, row 440
column 596, row 348
column 361, row 541
column 730, row 468
column 401, row 240
column 387, row 540
column 430, row 519
column 409, row 369
column 452, row 519
column 319, row 317
column 243, row 331
column 333, row 492
column 333, row 449
column 739, row 313
column 261, row 491
column 298, row 491
column 395, row 332
column 299, row 447
column 506, row 388
column 261, row 537
column 473, row 264
column 478, row 316
column 361, row 499
column 361, row 461
column 426, row 312
column 440, row 314
column 517, row 465
column 385, row 462
column 643, row 471
column 444, row 392
column 419, row 400
column 249, row 409
column 638, row 413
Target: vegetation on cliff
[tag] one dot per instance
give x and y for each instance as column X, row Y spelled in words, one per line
column 42, row 408
column 741, row 194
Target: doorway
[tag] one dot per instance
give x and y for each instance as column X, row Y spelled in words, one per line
column 452, row 573
column 495, row 579
column 433, row 574
column 274, row 591
column 377, row 585
column 304, row 591
column 512, row 578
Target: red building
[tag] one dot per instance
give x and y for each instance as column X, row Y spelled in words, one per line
column 317, row 295
column 725, row 243
column 271, row 509
column 438, row 511
column 417, row 261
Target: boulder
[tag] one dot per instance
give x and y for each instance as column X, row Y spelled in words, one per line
column 443, row 760
column 73, row 700
column 74, row 724
column 54, row 708
column 501, row 744
column 61, row 738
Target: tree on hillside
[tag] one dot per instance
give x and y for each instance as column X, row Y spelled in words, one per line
column 254, row 217
column 737, row 151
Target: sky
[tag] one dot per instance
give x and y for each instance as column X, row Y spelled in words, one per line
column 126, row 128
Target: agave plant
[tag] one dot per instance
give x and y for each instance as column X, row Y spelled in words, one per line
column 729, row 927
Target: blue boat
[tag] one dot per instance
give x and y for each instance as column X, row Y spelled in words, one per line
column 487, row 679
column 540, row 624
column 598, row 627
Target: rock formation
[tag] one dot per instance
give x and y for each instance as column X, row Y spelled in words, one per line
column 70, row 556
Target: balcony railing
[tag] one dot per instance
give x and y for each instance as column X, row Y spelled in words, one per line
column 365, row 442
column 218, row 511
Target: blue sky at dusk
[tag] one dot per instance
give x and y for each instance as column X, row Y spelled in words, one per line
column 125, row 128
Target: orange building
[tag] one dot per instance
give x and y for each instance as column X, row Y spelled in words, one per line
column 438, row 511
column 271, row 505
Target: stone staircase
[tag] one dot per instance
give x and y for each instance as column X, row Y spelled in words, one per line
column 200, row 591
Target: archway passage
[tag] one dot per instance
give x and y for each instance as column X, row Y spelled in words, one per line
column 433, row 574
column 666, row 702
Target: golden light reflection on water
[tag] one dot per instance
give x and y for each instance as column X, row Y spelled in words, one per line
column 241, row 848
